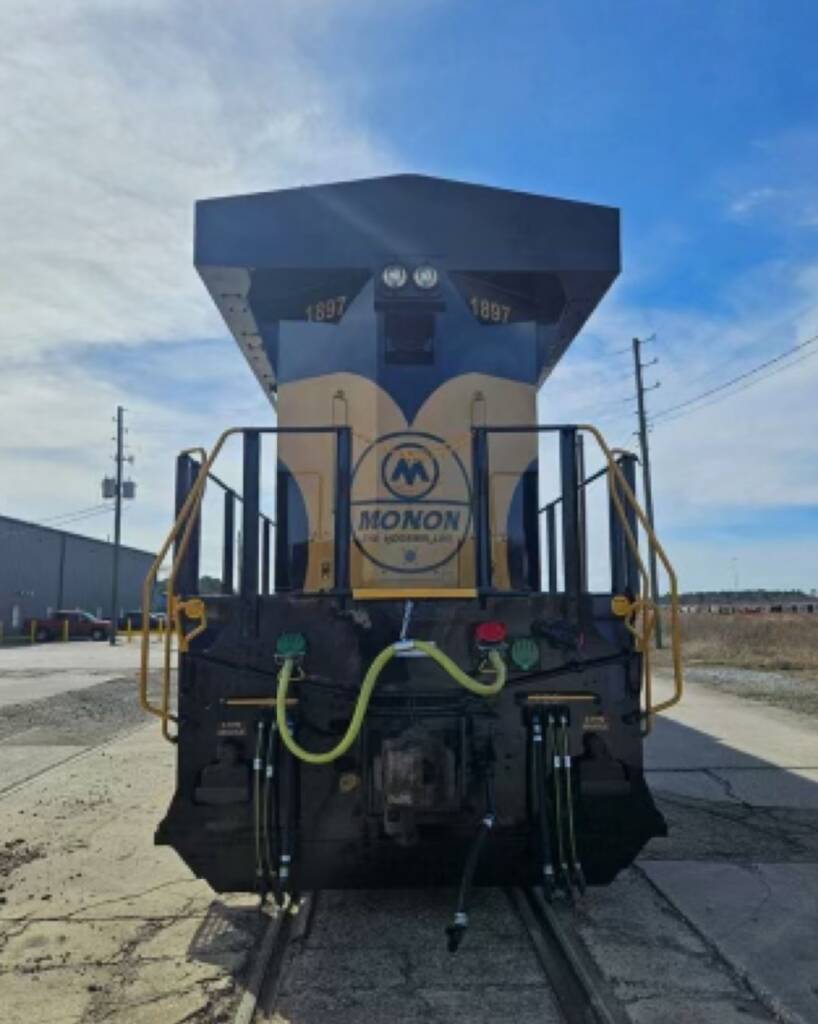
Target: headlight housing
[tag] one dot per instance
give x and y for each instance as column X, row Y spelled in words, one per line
column 394, row 276
column 425, row 277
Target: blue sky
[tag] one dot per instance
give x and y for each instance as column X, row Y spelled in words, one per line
column 700, row 121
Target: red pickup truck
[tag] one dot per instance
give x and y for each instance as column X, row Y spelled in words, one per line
column 80, row 624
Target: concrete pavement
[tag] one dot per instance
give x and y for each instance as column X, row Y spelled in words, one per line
column 98, row 924
column 738, row 782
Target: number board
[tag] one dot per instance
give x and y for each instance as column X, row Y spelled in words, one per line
column 326, row 311
column 490, row 311
column 312, row 295
column 497, row 297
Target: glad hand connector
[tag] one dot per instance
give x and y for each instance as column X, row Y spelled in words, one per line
column 292, row 647
column 490, row 636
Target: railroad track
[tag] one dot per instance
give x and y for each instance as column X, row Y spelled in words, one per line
column 582, row 992
column 571, row 989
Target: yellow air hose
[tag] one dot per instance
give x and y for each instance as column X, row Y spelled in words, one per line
column 367, row 687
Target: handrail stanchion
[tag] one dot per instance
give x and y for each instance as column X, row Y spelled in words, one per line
column 343, row 507
column 187, row 575
column 482, row 517
column 251, row 497
column 551, row 545
column 265, row 556
column 571, row 559
column 618, row 551
column 628, row 464
column 582, row 515
column 229, row 542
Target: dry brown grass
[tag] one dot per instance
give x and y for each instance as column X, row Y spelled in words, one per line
column 785, row 642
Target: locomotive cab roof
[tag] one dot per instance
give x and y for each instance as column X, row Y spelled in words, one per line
column 271, row 257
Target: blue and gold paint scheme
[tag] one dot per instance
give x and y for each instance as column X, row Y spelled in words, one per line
column 409, row 311
column 298, row 277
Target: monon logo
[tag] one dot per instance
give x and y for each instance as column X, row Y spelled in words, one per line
column 411, row 503
column 410, row 471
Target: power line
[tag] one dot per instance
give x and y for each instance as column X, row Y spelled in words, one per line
column 784, row 321
column 68, row 519
column 744, row 387
column 735, row 380
column 88, row 515
column 70, row 515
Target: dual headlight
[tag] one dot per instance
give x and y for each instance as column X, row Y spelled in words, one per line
column 396, row 276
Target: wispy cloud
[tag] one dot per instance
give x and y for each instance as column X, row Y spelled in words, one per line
column 751, row 200
column 114, row 119
column 771, row 182
column 752, row 450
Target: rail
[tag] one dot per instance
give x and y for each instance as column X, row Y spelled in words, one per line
column 187, row 518
column 637, row 610
column 584, row 995
column 646, row 605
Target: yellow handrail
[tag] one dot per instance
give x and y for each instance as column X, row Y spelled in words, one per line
column 189, row 513
column 163, row 710
column 647, row 602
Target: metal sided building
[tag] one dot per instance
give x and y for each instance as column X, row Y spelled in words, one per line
column 43, row 568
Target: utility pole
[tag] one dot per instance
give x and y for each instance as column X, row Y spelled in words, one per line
column 646, row 479
column 120, row 431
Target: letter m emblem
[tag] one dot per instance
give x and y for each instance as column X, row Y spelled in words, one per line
column 409, row 470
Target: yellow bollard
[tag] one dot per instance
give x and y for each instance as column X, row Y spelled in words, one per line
column 65, row 631
column 33, row 630
column 129, row 630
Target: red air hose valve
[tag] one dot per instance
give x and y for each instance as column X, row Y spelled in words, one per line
column 490, row 634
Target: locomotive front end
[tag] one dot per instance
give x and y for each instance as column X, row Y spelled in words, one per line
column 412, row 681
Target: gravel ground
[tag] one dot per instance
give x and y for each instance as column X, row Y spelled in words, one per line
column 76, row 718
column 795, row 691
column 380, row 957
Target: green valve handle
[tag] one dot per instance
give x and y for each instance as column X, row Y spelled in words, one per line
column 525, row 653
column 291, row 645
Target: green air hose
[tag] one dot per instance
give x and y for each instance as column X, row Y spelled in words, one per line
column 367, row 687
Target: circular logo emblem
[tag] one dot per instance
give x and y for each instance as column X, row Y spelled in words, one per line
column 410, row 471
column 411, row 503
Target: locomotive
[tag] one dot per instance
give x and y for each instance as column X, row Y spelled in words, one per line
column 406, row 678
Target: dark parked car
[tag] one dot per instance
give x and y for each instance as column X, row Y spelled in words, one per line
column 155, row 618
column 80, row 624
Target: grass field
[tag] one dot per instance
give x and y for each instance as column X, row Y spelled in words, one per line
column 771, row 642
